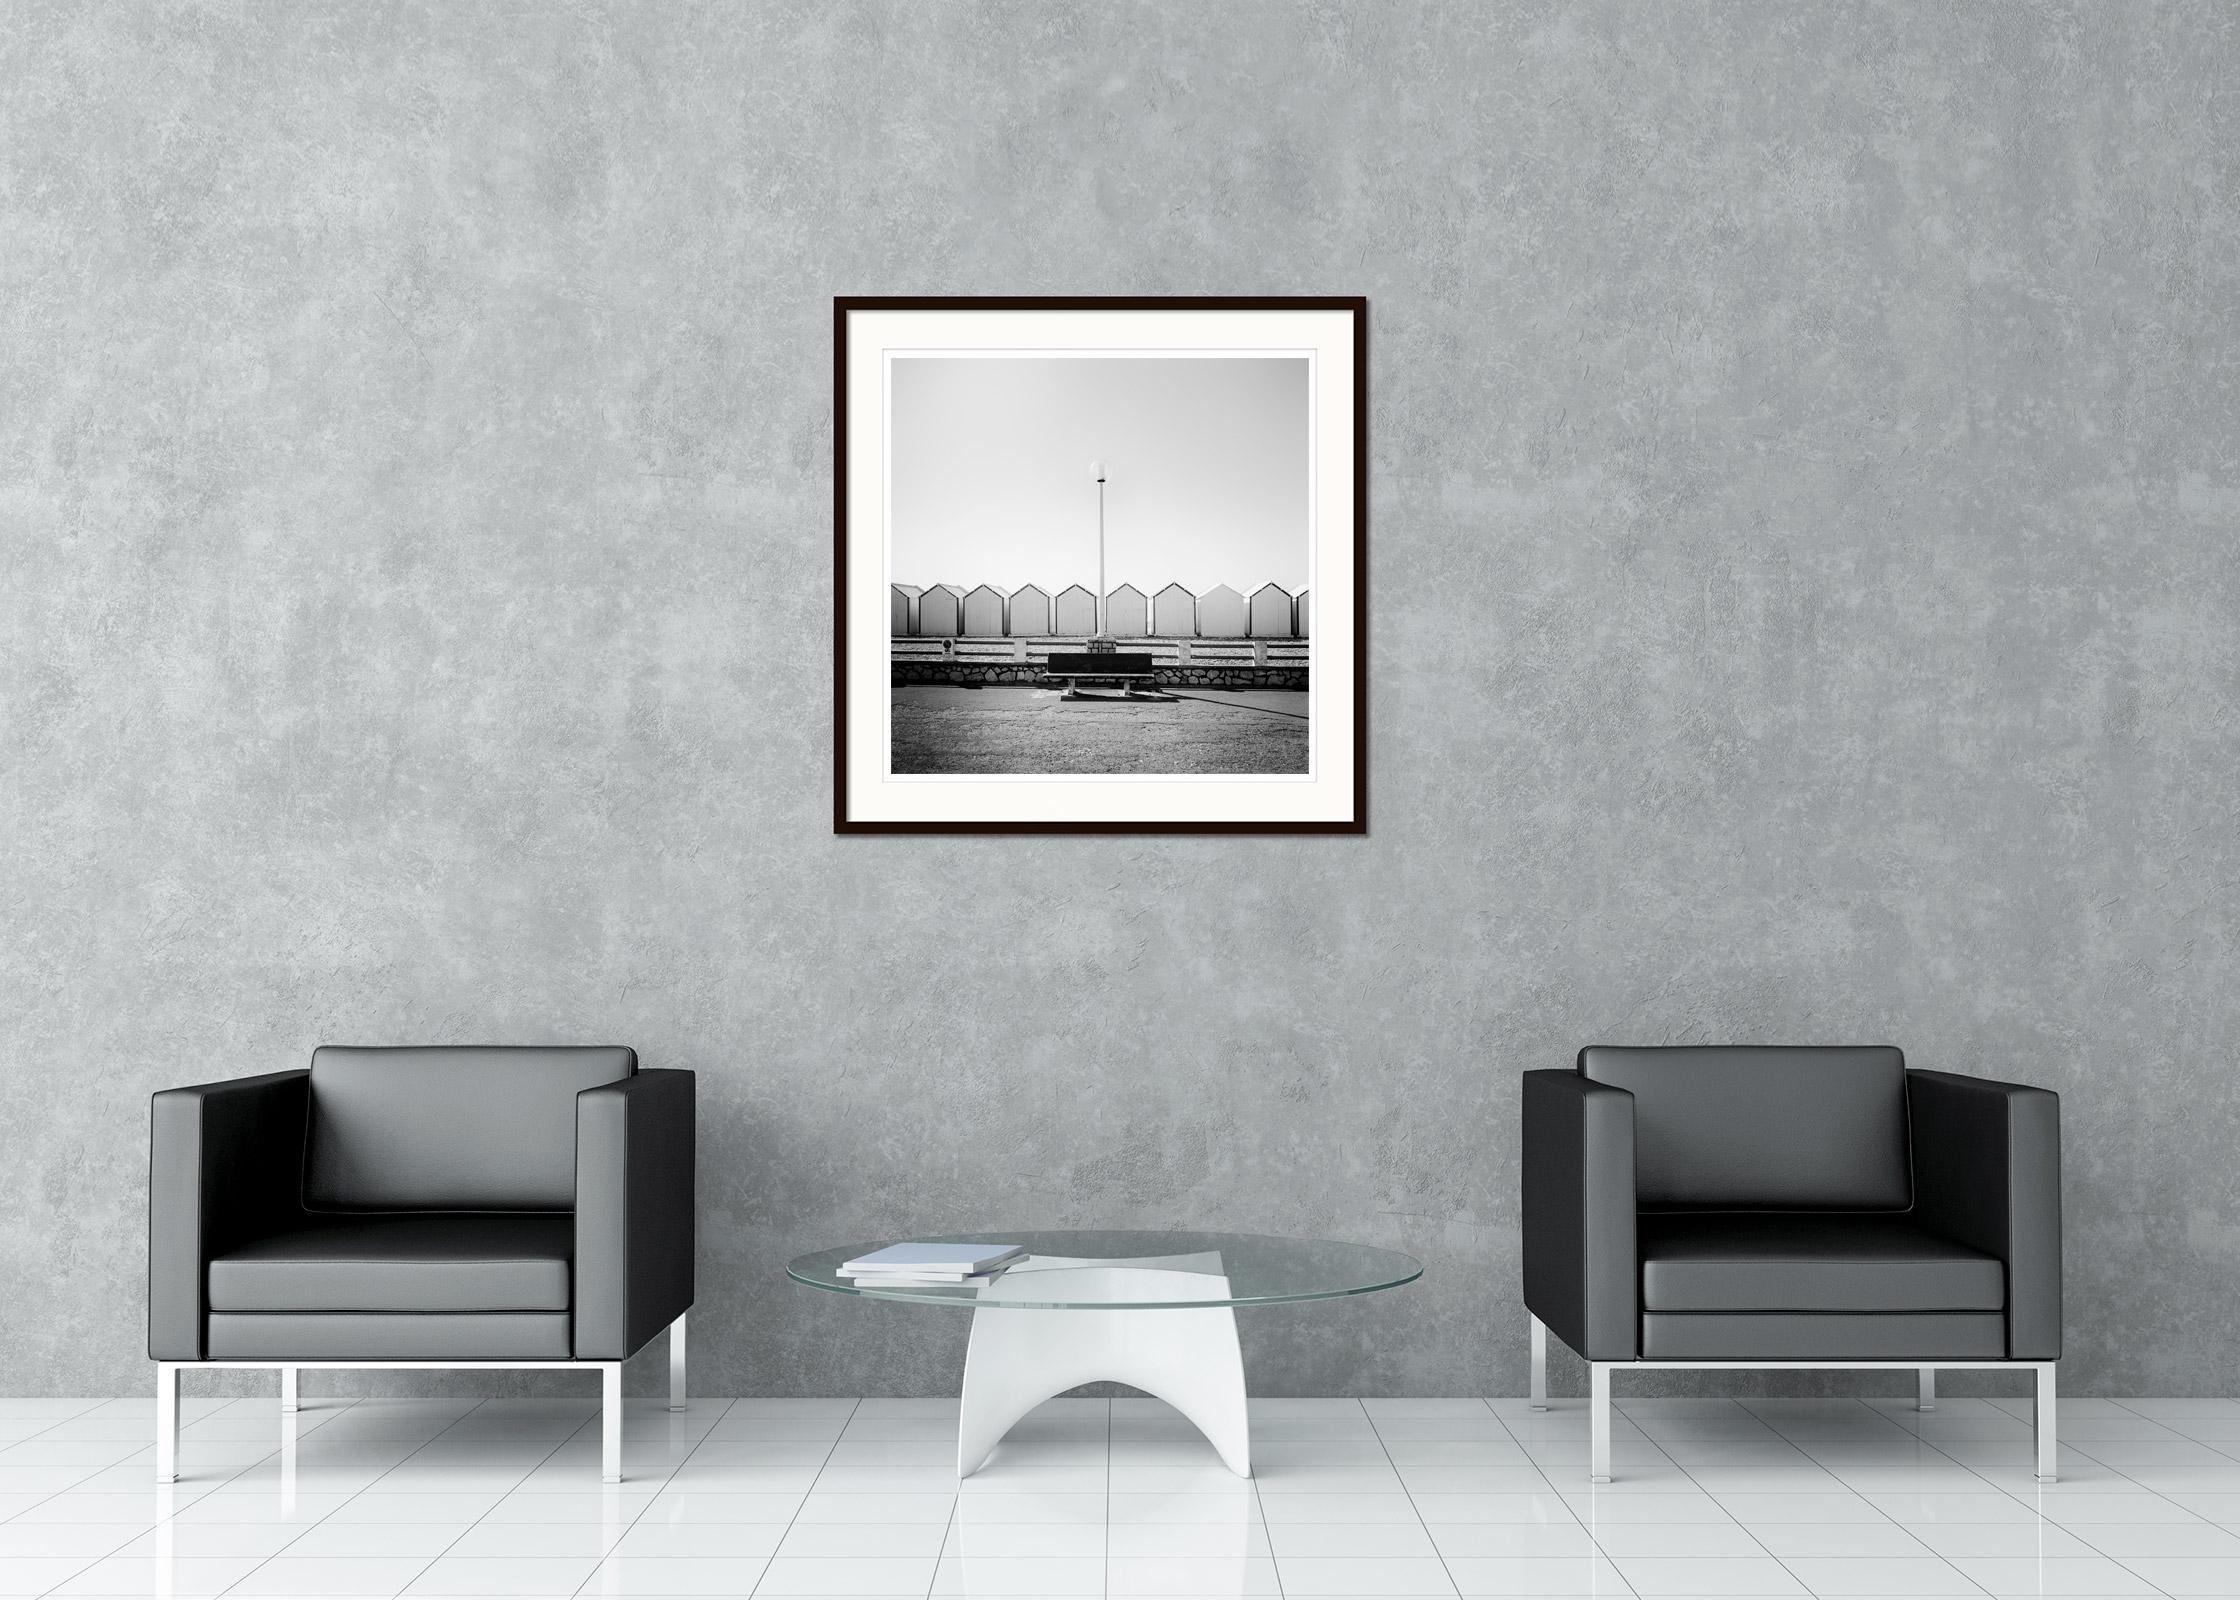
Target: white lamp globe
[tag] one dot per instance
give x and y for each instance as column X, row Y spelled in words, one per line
column 1096, row 471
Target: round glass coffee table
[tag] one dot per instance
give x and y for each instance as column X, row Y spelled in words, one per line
column 1160, row 1314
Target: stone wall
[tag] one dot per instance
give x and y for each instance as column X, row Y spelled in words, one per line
column 1210, row 676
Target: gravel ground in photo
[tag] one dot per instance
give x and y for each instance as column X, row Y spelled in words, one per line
column 944, row 728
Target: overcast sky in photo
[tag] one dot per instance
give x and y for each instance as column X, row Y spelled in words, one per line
column 1206, row 458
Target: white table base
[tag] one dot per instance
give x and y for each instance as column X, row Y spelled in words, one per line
column 1021, row 1357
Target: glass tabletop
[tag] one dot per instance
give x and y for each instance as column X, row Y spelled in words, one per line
column 1089, row 1270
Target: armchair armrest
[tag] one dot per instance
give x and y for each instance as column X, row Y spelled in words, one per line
column 635, row 1211
column 1987, row 1172
column 225, row 1162
column 1582, row 1268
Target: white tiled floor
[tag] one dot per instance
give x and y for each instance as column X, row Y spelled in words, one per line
column 1090, row 1497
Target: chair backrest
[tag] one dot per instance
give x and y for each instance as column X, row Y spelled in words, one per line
column 1764, row 1128
column 449, row 1127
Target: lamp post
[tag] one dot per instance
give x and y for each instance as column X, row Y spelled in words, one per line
column 1097, row 471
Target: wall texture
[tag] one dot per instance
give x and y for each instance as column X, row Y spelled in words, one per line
column 1806, row 606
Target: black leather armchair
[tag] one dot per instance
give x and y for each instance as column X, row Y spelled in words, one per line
column 1745, row 1206
column 453, row 1206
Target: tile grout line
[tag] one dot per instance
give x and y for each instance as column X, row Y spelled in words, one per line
column 351, row 1498
column 1399, row 1477
column 41, row 1500
column 667, row 1481
column 2036, row 1505
column 1259, row 1504
column 956, row 1501
column 793, row 1521
column 558, row 1445
column 698, row 1445
column 159, row 1489
column 1848, row 1488
column 1107, row 1540
column 1593, row 1538
column 1912, row 1434
column 2087, row 1540
column 74, row 1416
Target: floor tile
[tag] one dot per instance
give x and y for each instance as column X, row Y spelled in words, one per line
column 1001, row 1478
column 302, row 1577
column 1386, row 1575
column 2216, row 1505
column 2068, row 1575
column 611, row 1504
column 638, row 1576
column 353, row 1539
column 520, row 1575
column 846, row 1575
column 1288, row 1540
column 1478, row 1426
column 1209, row 1479
column 1192, row 1576
column 1470, row 1480
column 1657, row 1576
column 2078, row 1510
column 1020, row 1575
column 1722, row 1540
column 1323, row 1508
column 1784, row 1540
column 1384, row 1410
column 686, row 1506
column 860, row 1539
column 1031, row 1507
column 145, row 1508
column 1231, row 1509
column 1197, row 1540
column 708, row 1540
column 2032, row 1539
column 1531, row 1575
column 1598, row 1508
column 1811, row 1508
column 1878, row 1575
column 38, row 1574
column 87, row 1539
column 2126, row 1540
column 1533, row 1540
column 1985, row 1506
column 1369, row 1452
column 145, row 1575
column 2187, row 1575
column 466, row 1506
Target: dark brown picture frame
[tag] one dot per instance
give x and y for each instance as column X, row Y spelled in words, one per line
column 1355, row 305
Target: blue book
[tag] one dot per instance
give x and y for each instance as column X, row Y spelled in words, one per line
column 960, row 1261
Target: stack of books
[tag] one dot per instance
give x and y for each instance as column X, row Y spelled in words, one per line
column 931, row 1265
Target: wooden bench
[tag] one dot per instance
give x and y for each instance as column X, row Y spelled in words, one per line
column 1125, row 668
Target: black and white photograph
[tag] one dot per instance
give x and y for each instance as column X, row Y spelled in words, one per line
column 1139, row 610
column 1104, row 564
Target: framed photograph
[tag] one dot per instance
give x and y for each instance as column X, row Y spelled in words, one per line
column 1102, row 565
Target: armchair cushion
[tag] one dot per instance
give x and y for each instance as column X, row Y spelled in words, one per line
column 1764, row 1128
column 1810, row 1261
column 449, row 1127
column 389, row 1336
column 1823, row 1336
column 412, row 1262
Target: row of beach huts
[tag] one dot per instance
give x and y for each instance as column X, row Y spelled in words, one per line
column 945, row 611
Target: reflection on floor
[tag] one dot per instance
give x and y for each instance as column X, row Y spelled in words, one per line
column 1093, row 1497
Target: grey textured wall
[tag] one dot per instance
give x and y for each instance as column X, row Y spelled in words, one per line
column 1806, row 607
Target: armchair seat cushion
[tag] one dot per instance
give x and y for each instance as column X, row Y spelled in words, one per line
column 413, row 1262
column 1810, row 1261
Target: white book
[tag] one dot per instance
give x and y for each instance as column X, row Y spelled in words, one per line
column 915, row 1280
column 961, row 1260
